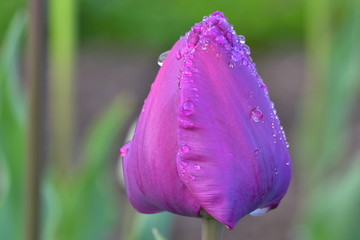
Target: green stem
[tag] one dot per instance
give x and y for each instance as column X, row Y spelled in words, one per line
column 36, row 73
column 62, row 30
column 212, row 229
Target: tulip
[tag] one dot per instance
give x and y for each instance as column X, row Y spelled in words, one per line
column 208, row 139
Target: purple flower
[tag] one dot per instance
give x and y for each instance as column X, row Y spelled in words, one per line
column 208, row 136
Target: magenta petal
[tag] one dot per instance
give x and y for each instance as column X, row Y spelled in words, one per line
column 150, row 171
column 234, row 163
column 208, row 136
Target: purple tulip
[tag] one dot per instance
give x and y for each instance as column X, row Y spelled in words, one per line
column 208, row 136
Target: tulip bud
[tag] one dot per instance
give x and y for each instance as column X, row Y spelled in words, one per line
column 208, row 137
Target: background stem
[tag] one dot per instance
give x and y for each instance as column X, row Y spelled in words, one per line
column 36, row 73
column 212, row 229
column 62, row 27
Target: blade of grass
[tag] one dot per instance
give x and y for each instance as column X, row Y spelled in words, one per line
column 12, row 131
column 87, row 200
column 62, row 43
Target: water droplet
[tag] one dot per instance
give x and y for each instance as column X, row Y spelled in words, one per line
column 186, row 124
column 227, row 47
column 188, row 108
column 123, row 151
column 244, row 62
column 287, row 144
column 276, row 171
column 256, row 115
column 184, row 164
column 287, row 163
column 187, row 73
column 260, row 211
column 178, row 55
column 236, row 55
column 220, row 39
column 242, row 39
column 193, row 40
column 162, row 58
column 185, row 148
column 257, row 152
column 195, row 89
column 197, row 28
column 188, row 63
column 203, row 47
column 263, row 86
column 197, row 167
column 192, row 177
column 247, row 49
column 231, row 65
column 218, row 55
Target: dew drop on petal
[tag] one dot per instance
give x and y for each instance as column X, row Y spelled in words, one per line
column 227, row 47
column 178, row 55
column 231, row 65
column 184, row 164
column 236, row 55
column 185, row 148
column 260, row 211
column 242, row 39
column 287, row 163
column 247, row 49
column 162, row 58
column 197, row 167
column 244, row 62
column 123, row 151
column 193, row 40
column 188, row 108
column 188, row 63
column 256, row 115
column 187, row 73
column 220, row 39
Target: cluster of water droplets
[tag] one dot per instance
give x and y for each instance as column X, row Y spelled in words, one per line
column 187, row 169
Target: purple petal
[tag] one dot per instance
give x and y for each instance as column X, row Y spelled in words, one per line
column 238, row 147
column 150, row 171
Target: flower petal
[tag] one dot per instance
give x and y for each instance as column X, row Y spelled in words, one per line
column 234, row 157
column 150, row 171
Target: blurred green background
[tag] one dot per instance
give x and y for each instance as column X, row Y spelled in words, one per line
column 102, row 60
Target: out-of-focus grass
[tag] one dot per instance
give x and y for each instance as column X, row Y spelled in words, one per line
column 330, row 183
column 86, row 202
column 12, row 134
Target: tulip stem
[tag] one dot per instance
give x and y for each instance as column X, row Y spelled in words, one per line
column 212, row 229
